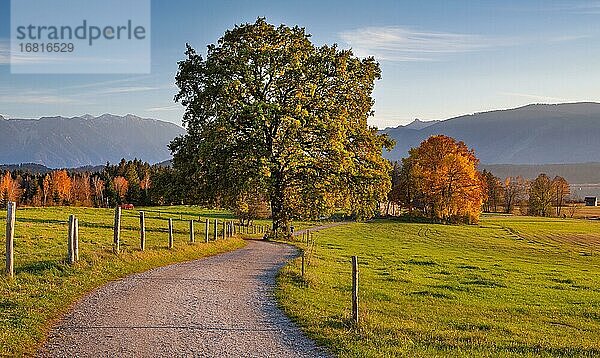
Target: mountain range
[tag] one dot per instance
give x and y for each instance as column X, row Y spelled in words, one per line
column 60, row 142
column 533, row 134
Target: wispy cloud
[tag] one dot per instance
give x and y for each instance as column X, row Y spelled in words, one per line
column 164, row 109
column 395, row 43
column 585, row 8
column 129, row 89
column 536, row 97
column 402, row 44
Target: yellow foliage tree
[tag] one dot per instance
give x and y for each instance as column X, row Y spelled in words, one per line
column 445, row 172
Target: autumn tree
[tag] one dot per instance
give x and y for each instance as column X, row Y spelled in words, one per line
column 515, row 192
column 494, row 192
column 81, row 190
column 560, row 191
column 268, row 110
column 57, row 188
column 98, row 190
column 445, row 171
column 10, row 189
column 250, row 206
column 540, row 196
column 121, row 185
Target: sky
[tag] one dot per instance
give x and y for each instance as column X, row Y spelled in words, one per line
column 439, row 59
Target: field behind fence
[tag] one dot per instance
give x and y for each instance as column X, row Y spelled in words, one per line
column 45, row 284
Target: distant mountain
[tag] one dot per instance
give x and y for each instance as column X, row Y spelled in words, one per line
column 26, row 167
column 534, row 134
column 419, row 124
column 59, row 142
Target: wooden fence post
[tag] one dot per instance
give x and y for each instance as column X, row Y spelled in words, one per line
column 76, row 240
column 207, row 229
column 10, row 238
column 170, row 233
column 142, row 231
column 216, row 229
column 70, row 248
column 117, row 230
column 355, row 289
column 192, row 238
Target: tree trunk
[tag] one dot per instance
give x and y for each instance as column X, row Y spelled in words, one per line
column 277, row 204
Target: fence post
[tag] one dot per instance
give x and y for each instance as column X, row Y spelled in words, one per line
column 76, row 240
column 117, row 230
column 355, row 289
column 142, row 231
column 216, row 229
column 207, row 229
column 192, row 239
column 70, row 248
column 170, row 233
column 10, row 238
column 224, row 229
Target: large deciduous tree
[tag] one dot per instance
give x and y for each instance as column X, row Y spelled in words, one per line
column 445, row 172
column 561, row 190
column 515, row 192
column 494, row 192
column 540, row 196
column 269, row 113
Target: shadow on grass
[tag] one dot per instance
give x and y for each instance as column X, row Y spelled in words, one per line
column 41, row 221
column 40, row 267
column 410, row 219
column 162, row 214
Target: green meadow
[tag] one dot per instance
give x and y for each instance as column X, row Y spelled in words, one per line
column 45, row 285
column 508, row 287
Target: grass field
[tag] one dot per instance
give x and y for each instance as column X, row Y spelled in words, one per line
column 510, row 287
column 45, row 286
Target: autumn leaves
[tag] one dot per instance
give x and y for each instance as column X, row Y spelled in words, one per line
column 440, row 179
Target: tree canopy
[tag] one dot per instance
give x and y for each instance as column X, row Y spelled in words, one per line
column 270, row 114
column 445, row 172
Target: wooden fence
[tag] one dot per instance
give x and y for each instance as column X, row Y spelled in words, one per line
column 229, row 229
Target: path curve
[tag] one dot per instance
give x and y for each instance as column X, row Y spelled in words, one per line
column 220, row 306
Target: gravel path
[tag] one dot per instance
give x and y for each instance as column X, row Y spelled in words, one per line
column 221, row 306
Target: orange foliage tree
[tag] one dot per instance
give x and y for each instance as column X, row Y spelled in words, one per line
column 445, row 172
column 58, row 185
column 10, row 189
column 121, row 185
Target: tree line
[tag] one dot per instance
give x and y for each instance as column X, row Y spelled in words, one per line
column 541, row 196
column 133, row 182
column 439, row 179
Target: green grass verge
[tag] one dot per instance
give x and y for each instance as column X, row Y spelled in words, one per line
column 45, row 286
column 510, row 287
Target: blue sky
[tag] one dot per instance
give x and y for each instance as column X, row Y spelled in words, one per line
column 439, row 58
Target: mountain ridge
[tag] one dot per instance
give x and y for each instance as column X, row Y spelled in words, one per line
column 531, row 134
column 68, row 142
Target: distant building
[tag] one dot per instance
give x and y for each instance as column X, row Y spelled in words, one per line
column 591, row 201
